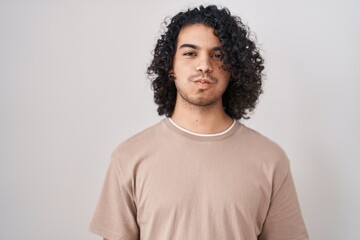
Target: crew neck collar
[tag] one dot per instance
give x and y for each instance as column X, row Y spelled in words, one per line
column 186, row 133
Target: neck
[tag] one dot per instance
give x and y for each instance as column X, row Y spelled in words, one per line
column 202, row 120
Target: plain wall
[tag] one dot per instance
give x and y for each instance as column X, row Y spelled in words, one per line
column 73, row 86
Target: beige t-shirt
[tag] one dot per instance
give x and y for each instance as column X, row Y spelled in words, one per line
column 168, row 184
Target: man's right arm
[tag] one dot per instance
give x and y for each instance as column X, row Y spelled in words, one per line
column 116, row 193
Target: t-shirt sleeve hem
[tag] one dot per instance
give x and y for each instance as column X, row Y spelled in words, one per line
column 106, row 234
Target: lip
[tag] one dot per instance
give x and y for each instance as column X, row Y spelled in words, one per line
column 203, row 83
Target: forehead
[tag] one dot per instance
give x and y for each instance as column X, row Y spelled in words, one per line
column 199, row 35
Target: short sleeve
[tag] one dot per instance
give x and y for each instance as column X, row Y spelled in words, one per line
column 115, row 214
column 284, row 219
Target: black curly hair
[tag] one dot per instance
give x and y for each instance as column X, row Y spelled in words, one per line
column 241, row 58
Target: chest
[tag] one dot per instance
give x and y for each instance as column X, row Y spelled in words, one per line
column 203, row 183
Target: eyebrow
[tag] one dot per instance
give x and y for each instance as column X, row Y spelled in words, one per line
column 188, row 45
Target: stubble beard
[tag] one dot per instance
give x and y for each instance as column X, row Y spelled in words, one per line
column 201, row 102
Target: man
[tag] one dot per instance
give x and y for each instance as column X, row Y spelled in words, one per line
column 199, row 173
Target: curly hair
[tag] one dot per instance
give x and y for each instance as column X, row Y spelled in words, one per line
column 241, row 58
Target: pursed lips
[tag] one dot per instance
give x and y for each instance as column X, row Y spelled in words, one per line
column 203, row 83
column 203, row 80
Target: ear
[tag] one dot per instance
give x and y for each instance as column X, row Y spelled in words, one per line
column 171, row 75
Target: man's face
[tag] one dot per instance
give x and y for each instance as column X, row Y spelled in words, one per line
column 200, row 77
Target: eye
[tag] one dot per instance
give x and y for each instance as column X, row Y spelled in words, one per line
column 217, row 56
column 189, row 54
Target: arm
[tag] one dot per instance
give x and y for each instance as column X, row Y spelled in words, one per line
column 284, row 220
column 115, row 214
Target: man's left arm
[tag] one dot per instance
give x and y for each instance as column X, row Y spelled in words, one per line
column 284, row 220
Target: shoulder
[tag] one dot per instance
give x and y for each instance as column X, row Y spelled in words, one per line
column 139, row 141
column 259, row 139
column 263, row 147
column 139, row 146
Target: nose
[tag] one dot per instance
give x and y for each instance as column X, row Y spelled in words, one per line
column 204, row 64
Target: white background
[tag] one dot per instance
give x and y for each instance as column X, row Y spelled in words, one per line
column 73, row 86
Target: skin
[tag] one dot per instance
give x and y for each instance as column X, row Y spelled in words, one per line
column 200, row 80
